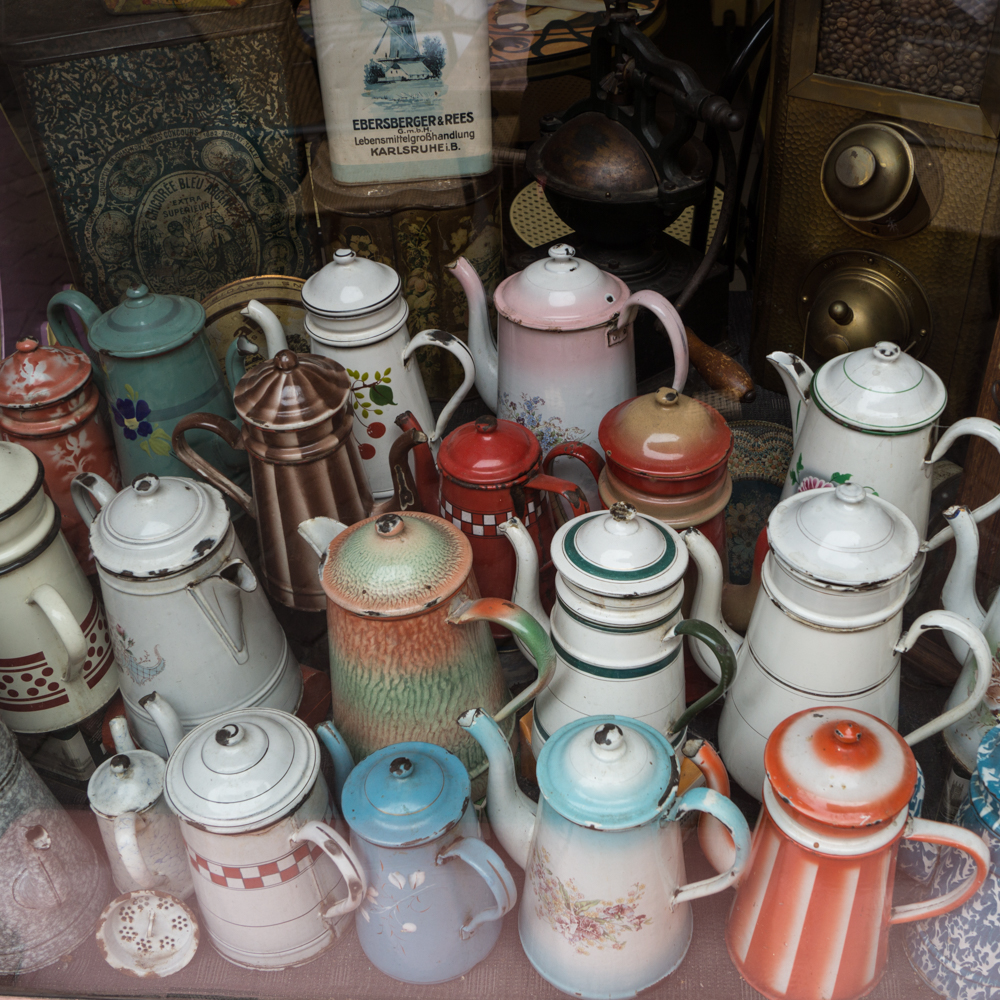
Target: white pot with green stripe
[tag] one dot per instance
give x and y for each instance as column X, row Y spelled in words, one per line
column 616, row 625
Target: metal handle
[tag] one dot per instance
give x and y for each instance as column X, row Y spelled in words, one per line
column 929, row 832
column 89, row 314
column 339, row 852
column 561, row 487
column 578, row 450
column 230, row 434
column 49, row 601
column 487, row 864
column 719, row 645
column 127, row 845
column 85, row 489
column 450, row 343
column 664, row 311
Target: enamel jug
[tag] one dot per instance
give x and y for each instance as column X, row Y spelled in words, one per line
column 564, row 351
column 870, row 418
column 605, row 911
column 140, row 833
column 616, row 626
column 488, row 471
column 189, row 621
column 356, row 314
column 153, row 364
column 410, row 645
column 56, row 661
column 955, row 952
column 826, row 625
column 276, row 884
column 297, row 431
column 813, row 909
column 53, row 885
column 49, row 404
column 437, row 894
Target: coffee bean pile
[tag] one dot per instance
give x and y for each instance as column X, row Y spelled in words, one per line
column 930, row 47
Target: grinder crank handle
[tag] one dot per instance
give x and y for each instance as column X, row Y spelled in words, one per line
column 721, row 372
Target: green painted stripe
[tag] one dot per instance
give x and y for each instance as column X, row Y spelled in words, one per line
column 574, row 556
column 618, row 630
column 613, row 673
column 872, row 429
column 541, row 729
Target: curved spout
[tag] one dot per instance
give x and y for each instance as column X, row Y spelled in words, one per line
column 484, row 351
column 796, row 375
column 511, row 812
column 959, row 591
column 707, row 604
column 526, row 578
column 319, row 532
column 343, row 762
column 274, row 332
column 166, row 719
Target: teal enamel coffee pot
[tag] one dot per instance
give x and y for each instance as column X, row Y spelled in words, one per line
column 153, row 365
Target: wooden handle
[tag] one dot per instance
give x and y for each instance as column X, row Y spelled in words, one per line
column 720, row 371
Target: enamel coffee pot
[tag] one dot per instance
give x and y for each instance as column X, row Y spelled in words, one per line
column 276, row 884
column 870, row 418
column 437, row 894
column 813, row 909
column 193, row 632
column 356, row 314
column 605, row 911
column 56, row 661
column 49, row 404
column 827, row 623
column 564, row 351
column 297, row 429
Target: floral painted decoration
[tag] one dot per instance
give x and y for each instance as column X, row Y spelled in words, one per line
column 130, row 415
column 529, row 413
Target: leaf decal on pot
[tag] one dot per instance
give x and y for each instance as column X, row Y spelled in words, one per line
column 381, row 395
column 408, row 928
column 417, row 879
column 399, row 881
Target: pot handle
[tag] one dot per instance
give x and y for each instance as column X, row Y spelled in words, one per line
column 576, row 449
column 664, row 311
column 950, row 622
column 238, row 351
column 405, row 493
column 719, row 645
column 976, row 427
column 561, row 487
column 89, row 314
column 450, row 343
column 50, row 602
column 705, row 800
column 127, row 845
column 715, row 840
column 483, row 860
column 85, row 489
column 229, row 433
column 930, row 832
column 339, row 852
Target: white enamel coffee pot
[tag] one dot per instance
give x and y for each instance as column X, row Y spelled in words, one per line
column 870, row 418
column 356, row 314
column 826, row 625
column 189, row 621
column 276, row 884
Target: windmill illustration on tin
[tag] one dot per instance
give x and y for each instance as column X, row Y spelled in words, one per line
column 397, row 55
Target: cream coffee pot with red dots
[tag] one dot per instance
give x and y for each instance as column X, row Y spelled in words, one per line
column 356, row 314
column 56, row 661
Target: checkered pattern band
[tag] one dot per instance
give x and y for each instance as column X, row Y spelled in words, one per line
column 484, row 524
column 284, row 869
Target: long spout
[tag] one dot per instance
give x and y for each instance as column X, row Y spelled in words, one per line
column 484, row 351
column 796, row 375
column 510, row 811
column 343, row 762
column 166, row 719
column 707, row 604
column 319, row 532
column 120, row 735
column 274, row 332
column 959, row 591
column 526, row 578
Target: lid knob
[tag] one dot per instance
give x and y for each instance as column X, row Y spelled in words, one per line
column 285, row 360
column 886, row 350
column 561, row 251
column 136, row 294
column 667, row 397
column 401, row 767
column 27, row 345
column 855, row 166
column 840, row 312
column 229, row 735
column 343, row 256
column 847, row 732
column 622, row 511
column 486, row 425
column 121, row 765
column 621, row 519
column 561, row 258
column 609, row 741
column 849, row 493
column 147, row 483
column 389, row 525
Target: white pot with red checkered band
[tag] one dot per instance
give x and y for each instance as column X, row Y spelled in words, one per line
column 277, row 885
column 55, row 653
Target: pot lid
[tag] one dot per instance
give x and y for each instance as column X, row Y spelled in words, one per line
column 396, row 565
column 350, row 286
column 159, row 525
column 984, row 789
column 21, row 476
column 406, row 794
column 881, row 389
column 489, row 452
column 560, row 292
column 843, row 535
column 292, row 391
column 34, row 375
column 242, row 770
column 128, row 782
column 607, row 772
column 619, row 552
column 146, row 323
column 147, row 933
column 840, row 766
column 665, row 434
